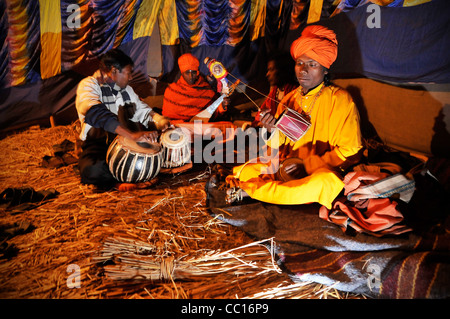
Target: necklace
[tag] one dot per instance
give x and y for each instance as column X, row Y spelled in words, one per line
column 311, row 106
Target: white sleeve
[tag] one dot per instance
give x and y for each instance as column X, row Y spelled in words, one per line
column 88, row 94
column 142, row 112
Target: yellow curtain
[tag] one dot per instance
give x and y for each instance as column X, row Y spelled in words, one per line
column 258, row 18
column 315, row 10
column 50, row 17
column 410, row 3
column 146, row 18
column 168, row 24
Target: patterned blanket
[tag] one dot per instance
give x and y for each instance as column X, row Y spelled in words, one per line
column 415, row 264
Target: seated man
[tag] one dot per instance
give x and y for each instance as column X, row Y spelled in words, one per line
column 191, row 94
column 332, row 143
column 281, row 77
column 98, row 100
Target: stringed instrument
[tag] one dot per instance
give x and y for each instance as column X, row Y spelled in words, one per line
column 206, row 114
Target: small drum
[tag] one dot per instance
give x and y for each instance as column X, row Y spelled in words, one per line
column 176, row 147
column 129, row 162
column 293, row 124
column 285, row 176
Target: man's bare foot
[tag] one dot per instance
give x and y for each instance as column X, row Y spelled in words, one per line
column 126, row 187
column 235, row 195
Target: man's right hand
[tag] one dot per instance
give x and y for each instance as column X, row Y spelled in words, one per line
column 145, row 136
column 268, row 121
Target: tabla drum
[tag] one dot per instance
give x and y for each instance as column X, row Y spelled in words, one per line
column 129, row 162
column 286, row 176
column 176, row 147
column 293, row 124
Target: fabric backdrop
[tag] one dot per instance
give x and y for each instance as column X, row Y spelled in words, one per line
column 60, row 41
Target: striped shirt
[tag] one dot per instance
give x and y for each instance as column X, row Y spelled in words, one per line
column 98, row 103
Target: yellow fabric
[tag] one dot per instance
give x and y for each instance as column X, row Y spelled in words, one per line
column 315, row 10
column 17, row 41
column 410, row 3
column 50, row 27
column 333, row 139
column 146, row 18
column 382, row 2
column 168, row 24
column 258, row 18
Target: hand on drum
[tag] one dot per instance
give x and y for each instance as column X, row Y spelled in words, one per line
column 267, row 120
column 146, row 136
column 163, row 124
column 295, row 170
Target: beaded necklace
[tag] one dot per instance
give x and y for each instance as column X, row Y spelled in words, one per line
column 311, row 106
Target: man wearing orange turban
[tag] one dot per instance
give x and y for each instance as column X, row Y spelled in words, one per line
column 330, row 145
column 318, row 43
column 190, row 94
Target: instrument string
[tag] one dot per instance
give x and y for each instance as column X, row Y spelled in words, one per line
column 250, row 87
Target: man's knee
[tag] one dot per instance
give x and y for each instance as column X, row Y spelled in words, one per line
column 97, row 174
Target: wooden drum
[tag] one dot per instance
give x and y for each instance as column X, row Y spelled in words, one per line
column 286, row 176
column 133, row 163
column 293, row 124
column 176, row 147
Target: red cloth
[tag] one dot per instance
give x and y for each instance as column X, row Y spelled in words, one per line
column 318, row 43
column 375, row 216
column 381, row 217
column 183, row 101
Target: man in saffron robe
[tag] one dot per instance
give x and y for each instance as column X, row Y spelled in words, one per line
column 331, row 145
column 191, row 94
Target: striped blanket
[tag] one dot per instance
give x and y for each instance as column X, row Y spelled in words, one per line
column 414, row 264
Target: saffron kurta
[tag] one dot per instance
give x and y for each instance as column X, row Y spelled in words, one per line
column 329, row 146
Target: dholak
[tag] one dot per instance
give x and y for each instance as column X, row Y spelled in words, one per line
column 129, row 162
column 293, row 124
column 176, row 147
column 286, row 176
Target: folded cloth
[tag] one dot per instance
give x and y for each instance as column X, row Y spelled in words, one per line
column 378, row 185
column 381, row 217
column 369, row 206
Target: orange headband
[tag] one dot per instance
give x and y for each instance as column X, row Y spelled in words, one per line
column 318, row 43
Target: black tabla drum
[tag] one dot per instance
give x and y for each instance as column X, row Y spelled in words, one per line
column 133, row 163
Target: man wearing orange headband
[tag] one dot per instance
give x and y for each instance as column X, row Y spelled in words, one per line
column 190, row 94
column 324, row 152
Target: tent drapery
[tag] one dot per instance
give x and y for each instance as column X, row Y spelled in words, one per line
column 40, row 40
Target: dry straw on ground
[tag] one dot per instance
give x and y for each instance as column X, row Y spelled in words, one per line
column 156, row 242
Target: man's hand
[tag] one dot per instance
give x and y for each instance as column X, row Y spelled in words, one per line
column 268, row 121
column 162, row 123
column 226, row 102
column 145, row 136
column 295, row 170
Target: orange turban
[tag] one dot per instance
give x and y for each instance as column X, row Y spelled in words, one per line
column 318, row 43
column 188, row 62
